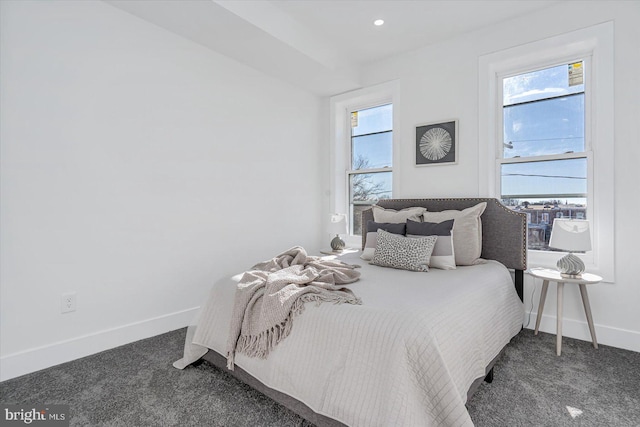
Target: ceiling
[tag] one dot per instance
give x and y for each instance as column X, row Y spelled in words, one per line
column 321, row 45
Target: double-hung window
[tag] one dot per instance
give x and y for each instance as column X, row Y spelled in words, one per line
column 546, row 133
column 543, row 163
column 371, row 159
column 363, row 151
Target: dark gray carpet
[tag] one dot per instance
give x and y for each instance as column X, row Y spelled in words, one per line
column 135, row 385
column 534, row 387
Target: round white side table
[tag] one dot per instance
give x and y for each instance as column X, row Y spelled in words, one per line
column 548, row 275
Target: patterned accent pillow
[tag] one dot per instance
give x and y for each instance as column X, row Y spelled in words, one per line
column 443, row 256
column 406, row 253
column 372, row 236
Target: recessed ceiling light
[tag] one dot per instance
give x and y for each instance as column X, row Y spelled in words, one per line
column 378, row 22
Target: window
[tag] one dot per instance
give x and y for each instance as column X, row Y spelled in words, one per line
column 371, row 148
column 543, row 164
column 569, row 170
column 363, row 151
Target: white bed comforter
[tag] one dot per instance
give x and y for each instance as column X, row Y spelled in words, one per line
column 405, row 357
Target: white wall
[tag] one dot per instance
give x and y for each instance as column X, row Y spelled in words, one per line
column 137, row 169
column 441, row 82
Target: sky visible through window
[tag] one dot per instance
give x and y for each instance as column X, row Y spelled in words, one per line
column 543, row 114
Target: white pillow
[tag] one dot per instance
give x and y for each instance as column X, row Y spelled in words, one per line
column 406, row 253
column 467, row 231
column 397, row 217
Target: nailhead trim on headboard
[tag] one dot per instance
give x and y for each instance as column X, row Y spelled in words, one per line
column 522, row 226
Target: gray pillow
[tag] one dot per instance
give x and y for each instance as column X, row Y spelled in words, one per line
column 406, row 253
column 394, row 228
column 443, row 256
column 430, row 228
column 372, row 236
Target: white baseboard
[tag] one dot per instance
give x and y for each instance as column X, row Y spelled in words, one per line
column 35, row 359
column 606, row 335
column 25, row 362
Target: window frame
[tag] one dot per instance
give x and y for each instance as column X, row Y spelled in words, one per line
column 547, row 257
column 594, row 45
column 341, row 107
column 350, row 171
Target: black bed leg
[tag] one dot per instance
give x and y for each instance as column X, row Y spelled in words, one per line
column 520, row 284
column 489, row 377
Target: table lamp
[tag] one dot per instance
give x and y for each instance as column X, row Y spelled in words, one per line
column 571, row 235
column 337, row 226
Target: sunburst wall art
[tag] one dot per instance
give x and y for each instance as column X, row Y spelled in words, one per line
column 436, row 143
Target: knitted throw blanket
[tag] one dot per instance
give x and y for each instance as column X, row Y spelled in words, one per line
column 273, row 293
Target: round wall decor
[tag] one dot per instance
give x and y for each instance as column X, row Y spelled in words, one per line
column 436, row 143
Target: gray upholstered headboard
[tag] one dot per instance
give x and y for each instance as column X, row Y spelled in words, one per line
column 504, row 232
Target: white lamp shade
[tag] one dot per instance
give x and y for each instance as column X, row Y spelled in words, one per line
column 571, row 235
column 338, row 224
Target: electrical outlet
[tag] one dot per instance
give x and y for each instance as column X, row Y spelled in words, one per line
column 68, row 302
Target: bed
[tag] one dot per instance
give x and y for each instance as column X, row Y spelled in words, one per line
column 412, row 354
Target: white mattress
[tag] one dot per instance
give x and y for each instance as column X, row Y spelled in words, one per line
column 405, row 357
